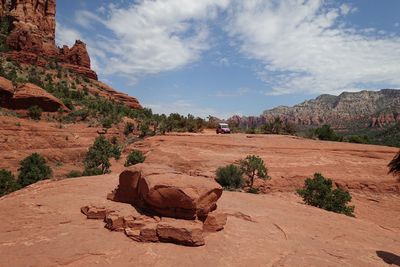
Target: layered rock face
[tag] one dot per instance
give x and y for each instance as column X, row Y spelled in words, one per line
column 27, row 95
column 340, row 110
column 31, row 33
column 169, row 206
column 370, row 108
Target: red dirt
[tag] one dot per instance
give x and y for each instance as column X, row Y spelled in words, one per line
column 42, row 224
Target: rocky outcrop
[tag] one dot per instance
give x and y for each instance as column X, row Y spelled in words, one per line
column 161, row 191
column 166, row 206
column 77, row 59
column 31, row 32
column 27, row 95
column 108, row 92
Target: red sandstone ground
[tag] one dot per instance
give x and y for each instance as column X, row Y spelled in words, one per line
column 42, row 224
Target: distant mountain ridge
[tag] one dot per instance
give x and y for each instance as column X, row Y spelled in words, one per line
column 364, row 108
column 372, row 107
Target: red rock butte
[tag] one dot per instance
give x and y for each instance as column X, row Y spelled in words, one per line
column 31, row 36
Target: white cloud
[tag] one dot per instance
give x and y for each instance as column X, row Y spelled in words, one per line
column 152, row 36
column 66, row 36
column 304, row 47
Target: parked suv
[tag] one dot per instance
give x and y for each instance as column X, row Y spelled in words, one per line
column 223, row 128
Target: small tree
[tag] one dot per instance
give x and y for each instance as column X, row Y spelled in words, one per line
column 35, row 112
column 229, row 177
column 135, row 157
column 144, row 129
column 33, row 169
column 97, row 160
column 326, row 133
column 8, row 183
column 253, row 166
column 394, row 165
column 318, row 192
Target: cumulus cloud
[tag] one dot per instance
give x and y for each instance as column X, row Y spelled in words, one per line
column 66, row 35
column 305, row 47
column 152, row 36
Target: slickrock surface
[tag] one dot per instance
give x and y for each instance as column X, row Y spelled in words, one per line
column 42, row 226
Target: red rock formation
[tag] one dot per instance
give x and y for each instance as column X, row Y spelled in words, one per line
column 32, row 33
column 165, row 192
column 27, row 95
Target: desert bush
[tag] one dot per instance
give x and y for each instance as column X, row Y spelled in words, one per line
column 144, row 129
column 318, row 192
column 326, row 133
column 74, row 174
column 33, row 169
column 394, row 165
column 358, row 139
column 135, row 157
column 230, row 176
column 97, row 160
column 129, row 128
column 253, row 167
column 107, row 122
column 8, row 183
column 35, row 112
column 252, row 190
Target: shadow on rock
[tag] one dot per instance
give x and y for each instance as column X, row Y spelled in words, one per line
column 388, row 257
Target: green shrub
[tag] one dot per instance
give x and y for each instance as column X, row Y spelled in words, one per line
column 318, row 192
column 129, row 128
column 116, row 151
column 135, row 157
column 326, row 133
column 358, row 139
column 107, row 122
column 74, row 174
column 97, row 160
column 144, row 129
column 33, row 169
column 35, row 112
column 252, row 190
column 8, row 183
column 92, row 172
column 253, row 166
column 230, row 177
column 394, row 165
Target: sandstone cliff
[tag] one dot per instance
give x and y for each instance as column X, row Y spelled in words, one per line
column 29, row 27
column 365, row 108
column 27, row 36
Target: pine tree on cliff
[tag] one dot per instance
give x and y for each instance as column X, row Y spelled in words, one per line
column 394, row 165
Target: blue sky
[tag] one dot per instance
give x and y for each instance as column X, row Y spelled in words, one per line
column 226, row 57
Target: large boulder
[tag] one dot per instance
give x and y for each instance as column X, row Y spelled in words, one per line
column 162, row 191
column 27, row 95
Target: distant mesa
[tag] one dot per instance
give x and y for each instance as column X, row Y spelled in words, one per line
column 31, row 29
